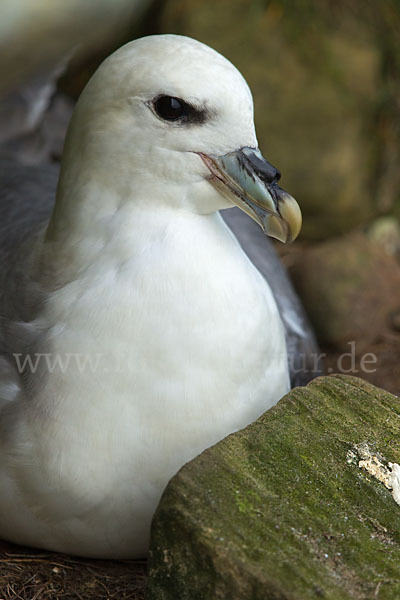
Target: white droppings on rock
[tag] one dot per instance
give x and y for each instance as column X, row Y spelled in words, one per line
column 395, row 481
column 374, row 464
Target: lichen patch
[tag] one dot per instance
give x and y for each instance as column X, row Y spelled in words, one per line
column 374, row 463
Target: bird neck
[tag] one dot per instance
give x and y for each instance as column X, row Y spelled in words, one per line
column 93, row 221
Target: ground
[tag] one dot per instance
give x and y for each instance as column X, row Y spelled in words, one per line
column 27, row 574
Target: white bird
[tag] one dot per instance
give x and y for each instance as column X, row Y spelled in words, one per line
column 135, row 330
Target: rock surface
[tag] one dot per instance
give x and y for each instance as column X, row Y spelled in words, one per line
column 292, row 507
column 349, row 287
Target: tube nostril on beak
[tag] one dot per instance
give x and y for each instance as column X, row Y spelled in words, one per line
column 268, row 173
column 265, row 171
column 277, row 175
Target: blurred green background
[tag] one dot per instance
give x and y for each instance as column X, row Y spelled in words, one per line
column 325, row 76
column 325, row 79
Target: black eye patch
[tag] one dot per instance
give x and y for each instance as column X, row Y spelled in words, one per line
column 177, row 110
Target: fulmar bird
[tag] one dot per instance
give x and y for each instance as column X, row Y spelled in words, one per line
column 135, row 331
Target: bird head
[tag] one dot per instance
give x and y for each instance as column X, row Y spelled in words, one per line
column 168, row 121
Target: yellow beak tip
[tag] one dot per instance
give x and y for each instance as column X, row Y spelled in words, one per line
column 291, row 214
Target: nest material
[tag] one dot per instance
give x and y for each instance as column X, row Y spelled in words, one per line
column 27, row 574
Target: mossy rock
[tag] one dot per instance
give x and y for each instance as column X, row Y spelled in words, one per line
column 283, row 509
column 325, row 83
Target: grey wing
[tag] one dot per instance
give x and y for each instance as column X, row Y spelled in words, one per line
column 26, row 200
column 27, row 196
column 34, row 119
column 303, row 355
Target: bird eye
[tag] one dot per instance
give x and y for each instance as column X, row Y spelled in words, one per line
column 169, row 108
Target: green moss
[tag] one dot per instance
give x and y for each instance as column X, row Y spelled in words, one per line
column 248, row 502
column 278, row 511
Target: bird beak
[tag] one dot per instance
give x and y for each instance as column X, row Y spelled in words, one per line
column 246, row 178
